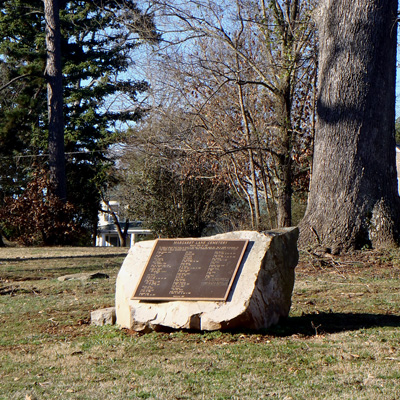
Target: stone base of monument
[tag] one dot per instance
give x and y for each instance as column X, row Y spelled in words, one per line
column 259, row 297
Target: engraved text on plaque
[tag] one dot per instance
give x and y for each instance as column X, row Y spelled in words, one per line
column 190, row 269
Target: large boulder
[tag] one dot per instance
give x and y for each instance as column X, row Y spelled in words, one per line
column 260, row 296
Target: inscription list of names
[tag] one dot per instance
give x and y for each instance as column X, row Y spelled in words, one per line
column 196, row 269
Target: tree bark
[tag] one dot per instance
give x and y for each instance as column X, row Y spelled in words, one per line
column 353, row 198
column 55, row 99
column 283, row 104
column 253, row 178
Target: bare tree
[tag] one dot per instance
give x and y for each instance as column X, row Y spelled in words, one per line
column 240, row 69
column 122, row 229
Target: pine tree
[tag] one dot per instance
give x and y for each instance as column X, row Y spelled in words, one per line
column 98, row 43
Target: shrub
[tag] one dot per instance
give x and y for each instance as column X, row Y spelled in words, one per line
column 37, row 217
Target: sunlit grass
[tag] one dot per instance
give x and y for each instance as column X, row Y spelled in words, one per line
column 342, row 340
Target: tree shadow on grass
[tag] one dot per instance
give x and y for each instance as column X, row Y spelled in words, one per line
column 62, row 257
column 326, row 323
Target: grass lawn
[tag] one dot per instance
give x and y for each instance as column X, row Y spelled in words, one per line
column 341, row 341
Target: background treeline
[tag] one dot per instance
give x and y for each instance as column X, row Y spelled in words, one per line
column 197, row 116
column 98, row 40
column 232, row 99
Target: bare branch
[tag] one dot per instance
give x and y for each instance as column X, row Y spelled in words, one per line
column 17, row 78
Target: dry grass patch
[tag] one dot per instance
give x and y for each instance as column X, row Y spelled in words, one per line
column 341, row 341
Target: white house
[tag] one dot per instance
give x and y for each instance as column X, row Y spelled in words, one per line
column 107, row 234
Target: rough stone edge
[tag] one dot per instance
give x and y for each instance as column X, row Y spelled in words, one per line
column 194, row 321
column 280, row 277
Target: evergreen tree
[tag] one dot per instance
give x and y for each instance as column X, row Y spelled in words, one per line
column 55, row 110
column 98, row 39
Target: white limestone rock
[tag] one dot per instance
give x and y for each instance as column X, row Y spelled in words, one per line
column 103, row 316
column 259, row 298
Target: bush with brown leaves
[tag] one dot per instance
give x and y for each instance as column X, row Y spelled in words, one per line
column 38, row 217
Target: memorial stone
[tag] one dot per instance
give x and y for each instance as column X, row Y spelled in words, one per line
column 169, row 284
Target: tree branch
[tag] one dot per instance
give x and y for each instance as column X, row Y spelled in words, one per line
column 17, row 78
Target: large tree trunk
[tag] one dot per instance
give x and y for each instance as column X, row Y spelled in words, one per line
column 55, row 99
column 353, row 198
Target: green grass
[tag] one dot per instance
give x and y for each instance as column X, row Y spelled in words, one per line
column 341, row 341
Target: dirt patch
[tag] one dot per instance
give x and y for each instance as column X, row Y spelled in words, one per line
column 13, row 290
column 357, row 261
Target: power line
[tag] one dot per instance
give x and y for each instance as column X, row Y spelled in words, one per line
column 46, row 155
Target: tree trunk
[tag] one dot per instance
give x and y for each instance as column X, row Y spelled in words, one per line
column 55, row 99
column 353, row 198
column 284, row 165
column 253, row 178
column 284, row 200
column 125, row 233
column 122, row 234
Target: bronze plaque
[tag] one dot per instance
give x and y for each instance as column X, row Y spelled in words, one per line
column 190, row 269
